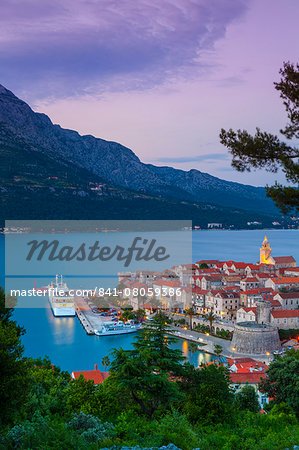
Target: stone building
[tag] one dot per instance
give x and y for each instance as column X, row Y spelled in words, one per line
column 285, row 283
column 249, row 283
column 285, row 319
column 246, row 314
column 288, row 300
column 259, row 337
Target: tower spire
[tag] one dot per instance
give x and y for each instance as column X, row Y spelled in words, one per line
column 265, row 252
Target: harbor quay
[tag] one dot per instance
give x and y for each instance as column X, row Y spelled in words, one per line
column 89, row 321
column 206, row 344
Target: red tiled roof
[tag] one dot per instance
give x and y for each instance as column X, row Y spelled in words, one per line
column 287, row 280
column 208, row 270
column 214, row 292
column 253, row 266
column 250, row 280
column 265, row 275
column 274, row 303
column 251, row 378
column 244, row 367
column 247, row 309
column 229, row 263
column 96, row 375
column 241, row 360
column 284, row 313
column 231, row 288
column 284, row 259
column 208, row 261
column 139, row 285
column 232, row 277
column 215, row 277
column 197, row 290
column 228, row 295
column 240, row 265
column 257, row 291
column 188, row 266
column 167, row 283
column 287, row 295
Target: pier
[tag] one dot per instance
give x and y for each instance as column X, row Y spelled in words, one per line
column 88, row 319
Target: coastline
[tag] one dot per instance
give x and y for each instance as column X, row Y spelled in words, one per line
column 207, row 343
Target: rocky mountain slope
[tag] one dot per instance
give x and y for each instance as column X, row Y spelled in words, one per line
column 118, row 165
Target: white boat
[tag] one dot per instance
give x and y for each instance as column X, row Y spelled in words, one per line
column 62, row 303
column 111, row 328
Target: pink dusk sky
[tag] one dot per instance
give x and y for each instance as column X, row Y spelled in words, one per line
column 161, row 77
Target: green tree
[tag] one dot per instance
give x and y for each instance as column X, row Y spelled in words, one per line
column 247, row 399
column 14, row 368
column 190, row 312
column 91, row 428
column 145, row 372
column 83, row 396
column 282, row 381
column 264, row 150
column 192, row 347
column 127, row 315
column 209, row 399
column 203, row 266
column 106, row 362
column 47, row 388
column 218, row 349
column 210, row 317
column 139, row 315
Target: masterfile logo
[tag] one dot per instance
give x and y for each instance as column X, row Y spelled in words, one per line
column 140, row 250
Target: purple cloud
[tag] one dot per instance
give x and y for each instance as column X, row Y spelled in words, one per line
column 67, row 47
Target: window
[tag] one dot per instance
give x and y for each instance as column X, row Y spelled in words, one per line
column 277, row 321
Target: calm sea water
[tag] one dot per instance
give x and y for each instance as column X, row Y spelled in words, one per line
column 64, row 339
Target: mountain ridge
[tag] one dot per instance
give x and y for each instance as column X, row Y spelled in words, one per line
column 119, row 165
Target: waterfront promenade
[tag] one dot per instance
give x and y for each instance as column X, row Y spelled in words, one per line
column 91, row 322
column 207, row 342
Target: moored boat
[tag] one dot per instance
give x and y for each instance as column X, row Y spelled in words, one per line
column 62, row 303
column 112, row 328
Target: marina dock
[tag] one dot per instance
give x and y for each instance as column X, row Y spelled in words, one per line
column 88, row 319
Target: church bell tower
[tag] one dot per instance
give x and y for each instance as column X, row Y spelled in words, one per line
column 265, row 253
